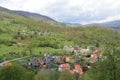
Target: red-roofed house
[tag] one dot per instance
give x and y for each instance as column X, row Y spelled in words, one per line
column 7, row 63
column 95, row 57
column 78, row 69
column 64, row 67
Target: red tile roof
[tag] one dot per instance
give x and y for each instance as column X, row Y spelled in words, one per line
column 77, row 66
column 94, row 57
column 78, row 69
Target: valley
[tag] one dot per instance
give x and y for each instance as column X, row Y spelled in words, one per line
column 38, row 45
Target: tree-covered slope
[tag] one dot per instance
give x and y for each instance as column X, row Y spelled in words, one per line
column 18, row 33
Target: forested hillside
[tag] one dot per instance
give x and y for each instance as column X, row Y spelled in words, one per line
column 16, row 29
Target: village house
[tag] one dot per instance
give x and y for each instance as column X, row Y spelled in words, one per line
column 77, row 49
column 58, row 59
column 23, row 63
column 77, row 69
column 42, row 63
column 84, row 51
column 48, row 60
column 95, row 56
column 7, row 63
column 64, row 67
column 34, row 62
column 68, row 48
column 92, row 48
column 71, row 59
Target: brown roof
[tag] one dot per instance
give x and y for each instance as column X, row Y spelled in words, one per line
column 76, row 47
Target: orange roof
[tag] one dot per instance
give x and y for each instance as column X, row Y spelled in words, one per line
column 7, row 64
column 65, row 65
column 95, row 57
column 42, row 62
column 78, row 69
column 77, row 66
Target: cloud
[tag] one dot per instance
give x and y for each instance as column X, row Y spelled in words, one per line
column 78, row 11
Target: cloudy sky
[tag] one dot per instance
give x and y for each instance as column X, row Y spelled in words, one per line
column 74, row 11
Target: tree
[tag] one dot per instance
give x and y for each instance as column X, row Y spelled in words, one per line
column 30, row 47
column 53, row 76
column 97, row 44
column 109, row 69
column 66, row 76
column 113, row 62
column 41, row 76
column 76, row 76
column 29, row 76
column 47, row 75
column 14, row 72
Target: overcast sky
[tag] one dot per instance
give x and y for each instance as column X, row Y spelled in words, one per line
column 74, row 11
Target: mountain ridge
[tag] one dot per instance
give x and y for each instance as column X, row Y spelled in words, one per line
column 111, row 24
column 28, row 14
column 34, row 15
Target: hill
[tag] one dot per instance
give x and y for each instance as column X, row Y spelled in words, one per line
column 28, row 15
column 112, row 24
column 73, row 24
column 23, row 34
column 34, row 16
